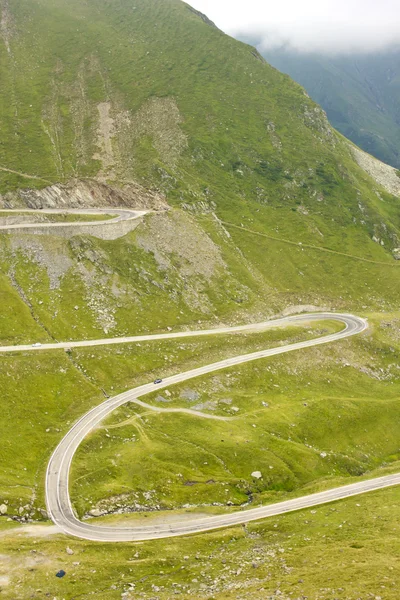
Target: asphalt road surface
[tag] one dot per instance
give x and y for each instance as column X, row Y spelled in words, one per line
column 120, row 214
column 57, row 476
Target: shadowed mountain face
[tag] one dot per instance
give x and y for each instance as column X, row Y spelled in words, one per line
column 361, row 95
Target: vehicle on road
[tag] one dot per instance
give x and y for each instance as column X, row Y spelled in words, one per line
column 36, row 345
column 156, row 381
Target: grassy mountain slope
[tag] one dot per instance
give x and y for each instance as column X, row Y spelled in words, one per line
column 169, row 100
column 359, row 93
column 269, row 212
column 150, row 92
column 322, row 419
column 313, row 418
column 338, row 551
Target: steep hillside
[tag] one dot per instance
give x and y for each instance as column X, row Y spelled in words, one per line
column 151, row 96
column 255, row 207
column 361, row 95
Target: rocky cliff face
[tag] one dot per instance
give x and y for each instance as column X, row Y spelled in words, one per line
column 85, row 194
column 388, row 177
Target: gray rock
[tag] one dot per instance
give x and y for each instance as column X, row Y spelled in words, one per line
column 190, row 395
column 3, row 509
column 209, row 405
column 257, row 474
column 162, row 399
column 96, row 512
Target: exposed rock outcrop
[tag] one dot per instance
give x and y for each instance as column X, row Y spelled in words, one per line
column 87, row 193
column 383, row 174
column 202, row 16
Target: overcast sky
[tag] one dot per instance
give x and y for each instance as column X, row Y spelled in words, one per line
column 310, row 25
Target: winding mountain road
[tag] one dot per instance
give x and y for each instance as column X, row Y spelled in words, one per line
column 57, row 476
column 120, row 214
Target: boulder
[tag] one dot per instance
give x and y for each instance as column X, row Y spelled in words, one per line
column 3, row 509
column 257, row 474
column 96, row 512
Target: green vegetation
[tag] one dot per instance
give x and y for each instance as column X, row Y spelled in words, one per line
column 190, row 111
column 44, row 393
column 86, row 288
column 313, row 417
column 175, row 104
column 42, row 396
column 304, row 552
column 175, row 270
column 269, row 212
column 346, row 550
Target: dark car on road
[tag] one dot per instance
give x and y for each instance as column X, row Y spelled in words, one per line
column 156, row 381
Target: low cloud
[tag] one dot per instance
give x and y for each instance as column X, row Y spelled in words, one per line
column 339, row 26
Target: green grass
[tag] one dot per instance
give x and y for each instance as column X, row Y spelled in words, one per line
column 310, row 276
column 227, row 139
column 44, row 393
column 171, row 75
column 41, row 402
column 132, row 287
column 314, row 417
column 128, row 365
column 16, row 322
column 364, row 441
column 345, row 550
column 232, row 108
column 150, row 279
